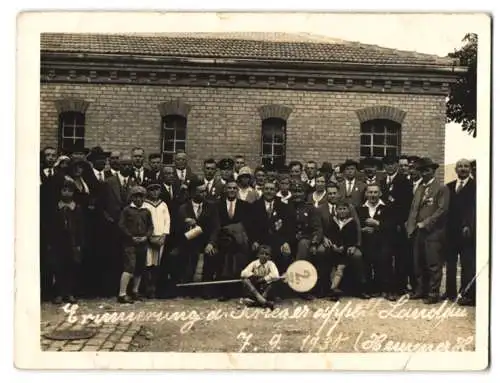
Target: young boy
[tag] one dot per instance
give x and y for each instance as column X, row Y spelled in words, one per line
column 161, row 228
column 65, row 242
column 259, row 275
column 136, row 225
column 344, row 237
column 284, row 188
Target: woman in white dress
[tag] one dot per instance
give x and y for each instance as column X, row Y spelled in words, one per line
column 161, row 228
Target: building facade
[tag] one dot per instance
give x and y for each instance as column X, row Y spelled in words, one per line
column 289, row 97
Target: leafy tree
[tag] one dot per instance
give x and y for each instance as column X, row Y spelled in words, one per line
column 462, row 103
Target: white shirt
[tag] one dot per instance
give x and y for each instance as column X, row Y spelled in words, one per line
column 267, row 270
column 317, row 198
column 416, row 184
column 48, row 170
column 372, row 209
column 197, row 206
column 312, row 182
column 141, row 173
column 269, row 206
column 349, row 185
column 99, row 174
column 160, row 216
column 464, row 182
column 123, row 180
column 284, row 199
column 371, row 181
column 243, row 193
column 181, row 174
column 113, row 172
column 228, row 206
column 343, row 222
column 331, row 208
column 209, row 184
column 430, row 182
column 390, row 178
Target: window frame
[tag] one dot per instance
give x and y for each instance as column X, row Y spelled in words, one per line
column 276, row 124
column 379, row 128
column 177, row 122
column 77, row 122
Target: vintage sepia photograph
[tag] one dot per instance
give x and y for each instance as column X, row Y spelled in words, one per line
column 247, row 190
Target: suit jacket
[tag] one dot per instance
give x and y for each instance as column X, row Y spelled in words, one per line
column 152, row 176
column 241, row 213
column 114, row 198
column 429, row 206
column 322, row 223
column 357, row 196
column 208, row 221
column 462, row 209
column 173, row 201
column 277, row 229
column 216, row 191
column 397, row 196
column 375, row 240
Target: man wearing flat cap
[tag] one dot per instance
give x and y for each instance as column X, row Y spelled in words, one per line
column 427, row 227
column 351, row 189
column 397, row 196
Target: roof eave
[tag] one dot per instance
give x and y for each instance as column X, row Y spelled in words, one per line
column 253, row 62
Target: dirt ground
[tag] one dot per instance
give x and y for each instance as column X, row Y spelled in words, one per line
column 351, row 325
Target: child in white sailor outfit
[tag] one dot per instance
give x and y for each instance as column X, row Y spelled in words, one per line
column 161, row 228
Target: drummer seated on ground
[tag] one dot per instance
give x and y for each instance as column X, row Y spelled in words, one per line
column 258, row 277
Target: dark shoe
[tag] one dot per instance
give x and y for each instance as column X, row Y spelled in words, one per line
column 414, row 296
column 431, row 300
column 269, row 305
column 57, row 300
column 364, row 295
column 389, row 296
column 223, row 299
column 464, row 301
column 136, row 297
column 448, row 297
column 71, row 299
column 125, row 299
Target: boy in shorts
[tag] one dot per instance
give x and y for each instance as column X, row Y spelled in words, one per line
column 136, row 226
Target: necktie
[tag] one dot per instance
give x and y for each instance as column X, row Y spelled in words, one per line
column 460, row 186
column 101, row 177
column 170, row 192
column 231, row 209
column 138, row 175
column 198, row 211
column 183, row 175
column 349, row 187
column 51, row 172
column 269, row 209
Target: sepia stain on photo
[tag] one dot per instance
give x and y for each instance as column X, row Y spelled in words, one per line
column 257, row 192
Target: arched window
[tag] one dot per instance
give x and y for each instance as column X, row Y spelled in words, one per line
column 71, row 131
column 379, row 138
column 273, row 139
column 173, row 136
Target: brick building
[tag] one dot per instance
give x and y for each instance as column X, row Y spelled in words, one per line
column 286, row 96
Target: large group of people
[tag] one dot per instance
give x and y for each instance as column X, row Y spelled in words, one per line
column 113, row 225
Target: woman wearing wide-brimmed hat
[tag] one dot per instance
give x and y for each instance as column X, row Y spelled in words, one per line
column 245, row 191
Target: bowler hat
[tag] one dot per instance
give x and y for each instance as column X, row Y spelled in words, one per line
column 370, row 161
column 348, row 163
column 387, row 160
column 425, row 163
column 97, row 153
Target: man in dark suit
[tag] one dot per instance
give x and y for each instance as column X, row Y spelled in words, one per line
column 139, row 172
column 321, row 245
column 114, row 163
column 351, row 189
column 115, row 199
column 427, row 226
column 414, row 176
column 311, row 170
column 375, row 218
column 233, row 244
column 214, row 185
column 273, row 225
column 461, row 233
column 199, row 222
column 154, row 172
column 370, row 167
column 184, row 175
column 397, row 196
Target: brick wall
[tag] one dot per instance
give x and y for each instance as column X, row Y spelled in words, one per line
column 323, row 126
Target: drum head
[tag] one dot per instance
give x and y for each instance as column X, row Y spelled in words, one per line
column 301, row 276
